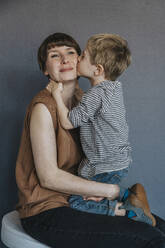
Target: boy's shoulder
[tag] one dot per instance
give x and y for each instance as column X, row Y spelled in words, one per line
column 108, row 85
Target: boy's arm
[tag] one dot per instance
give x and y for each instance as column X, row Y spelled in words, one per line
column 88, row 108
column 85, row 111
column 62, row 109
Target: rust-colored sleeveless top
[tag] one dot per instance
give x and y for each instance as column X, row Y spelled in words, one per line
column 33, row 198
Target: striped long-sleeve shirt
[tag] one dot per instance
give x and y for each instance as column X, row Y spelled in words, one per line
column 103, row 129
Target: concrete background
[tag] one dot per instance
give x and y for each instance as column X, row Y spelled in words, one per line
column 24, row 25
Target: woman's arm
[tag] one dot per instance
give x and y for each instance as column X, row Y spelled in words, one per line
column 45, row 157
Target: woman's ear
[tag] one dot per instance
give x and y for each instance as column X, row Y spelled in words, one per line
column 99, row 70
column 46, row 73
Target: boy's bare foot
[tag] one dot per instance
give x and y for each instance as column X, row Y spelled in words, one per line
column 119, row 212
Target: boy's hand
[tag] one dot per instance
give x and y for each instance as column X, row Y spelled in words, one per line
column 57, row 90
column 93, row 198
column 50, row 85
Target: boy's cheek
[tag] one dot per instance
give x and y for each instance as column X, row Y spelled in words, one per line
column 78, row 73
column 79, row 67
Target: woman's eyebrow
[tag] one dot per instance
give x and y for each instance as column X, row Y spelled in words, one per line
column 69, row 48
column 52, row 51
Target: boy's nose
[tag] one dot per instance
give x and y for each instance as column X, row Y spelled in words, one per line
column 79, row 58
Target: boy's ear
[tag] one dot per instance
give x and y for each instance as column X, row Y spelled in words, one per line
column 99, row 70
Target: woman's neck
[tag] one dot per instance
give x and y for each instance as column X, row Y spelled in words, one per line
column 68, row 92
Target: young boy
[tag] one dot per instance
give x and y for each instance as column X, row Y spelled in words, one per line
column 102, row 121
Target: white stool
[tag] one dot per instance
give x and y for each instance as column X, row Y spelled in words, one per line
column 13, row 235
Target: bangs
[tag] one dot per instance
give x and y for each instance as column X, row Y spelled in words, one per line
column 63, row 43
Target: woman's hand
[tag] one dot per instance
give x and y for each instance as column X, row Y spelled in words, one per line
column 113, row 193
column 93, row 198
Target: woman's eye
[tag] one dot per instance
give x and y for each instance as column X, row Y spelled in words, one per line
column 54, row 56
column 71, row 52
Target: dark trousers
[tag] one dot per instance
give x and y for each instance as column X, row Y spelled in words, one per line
column 65, row 227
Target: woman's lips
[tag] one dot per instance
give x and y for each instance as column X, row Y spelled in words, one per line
column 66, row 69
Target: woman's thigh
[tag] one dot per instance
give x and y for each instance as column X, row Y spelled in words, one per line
column 64, row 227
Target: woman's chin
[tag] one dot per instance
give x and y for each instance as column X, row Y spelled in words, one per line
column 68, row 75
column 71, row 78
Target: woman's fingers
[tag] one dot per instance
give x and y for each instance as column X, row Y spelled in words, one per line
column 93, row 198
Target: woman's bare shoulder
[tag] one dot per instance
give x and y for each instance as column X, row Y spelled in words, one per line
column 41, row 113
column 44, row 108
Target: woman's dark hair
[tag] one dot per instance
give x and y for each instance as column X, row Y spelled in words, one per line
column 56, row 39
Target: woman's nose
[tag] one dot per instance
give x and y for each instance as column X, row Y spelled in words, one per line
column 79, row 58
column 65, row 59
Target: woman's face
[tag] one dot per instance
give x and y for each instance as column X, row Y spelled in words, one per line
column 61, row 63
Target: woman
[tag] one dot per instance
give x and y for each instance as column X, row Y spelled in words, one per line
column 47, row 164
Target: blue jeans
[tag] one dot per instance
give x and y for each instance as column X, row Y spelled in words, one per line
column 105, row 206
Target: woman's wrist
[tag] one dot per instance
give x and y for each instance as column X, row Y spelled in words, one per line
column 113, row 191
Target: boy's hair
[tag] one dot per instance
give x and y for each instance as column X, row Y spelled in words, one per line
column 56, row 39
column 111, row 51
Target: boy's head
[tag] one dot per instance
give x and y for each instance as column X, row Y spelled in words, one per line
column 109, row 51
column 55, row 40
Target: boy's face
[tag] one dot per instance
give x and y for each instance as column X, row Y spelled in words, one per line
column 61, row 63
column 84, row 66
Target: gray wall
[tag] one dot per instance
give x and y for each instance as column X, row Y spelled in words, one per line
column 23, row 26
